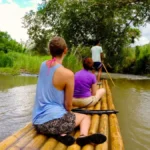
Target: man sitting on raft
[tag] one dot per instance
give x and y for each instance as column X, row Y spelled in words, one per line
column 86, row 93
column 52, row 114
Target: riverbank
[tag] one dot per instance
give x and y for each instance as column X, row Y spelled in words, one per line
column 17, row 63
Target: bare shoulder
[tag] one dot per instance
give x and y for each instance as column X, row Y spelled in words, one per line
column 62, row 77
column 68, row 72
column 65, row 72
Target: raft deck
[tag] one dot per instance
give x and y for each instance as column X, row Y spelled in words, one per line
column 107, row 124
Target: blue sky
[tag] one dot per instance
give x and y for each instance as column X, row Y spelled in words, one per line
column 11, row 12
column 22, row 3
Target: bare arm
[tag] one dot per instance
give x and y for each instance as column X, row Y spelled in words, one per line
column 69, row 89
column 93, row 89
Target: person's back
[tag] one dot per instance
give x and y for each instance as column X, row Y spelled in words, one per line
column 47, row 103
column 97, row 57
column 85, row 91
column 83, row 83
column 96, row 51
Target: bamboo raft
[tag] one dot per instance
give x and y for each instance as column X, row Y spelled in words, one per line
column 107, row 124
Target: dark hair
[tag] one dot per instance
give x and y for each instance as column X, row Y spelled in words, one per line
column 88, row 63
column 57, row 46
column 97, row 42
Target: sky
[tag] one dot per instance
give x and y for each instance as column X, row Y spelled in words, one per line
column 12, row 11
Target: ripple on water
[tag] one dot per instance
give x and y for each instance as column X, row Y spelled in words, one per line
column 140, row 121
column 16, row 109
column 132, row 99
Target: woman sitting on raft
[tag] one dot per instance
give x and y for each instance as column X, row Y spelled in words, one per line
column 85, row 92
column 52, row 114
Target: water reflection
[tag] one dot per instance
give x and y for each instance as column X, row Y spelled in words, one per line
column 9, row 81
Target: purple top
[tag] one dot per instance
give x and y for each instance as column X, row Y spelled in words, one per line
column 83, row 83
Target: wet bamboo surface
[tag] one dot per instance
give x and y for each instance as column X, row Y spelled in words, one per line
column 28, row 139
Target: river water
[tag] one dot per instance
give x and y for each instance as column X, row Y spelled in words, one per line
column 131, row 97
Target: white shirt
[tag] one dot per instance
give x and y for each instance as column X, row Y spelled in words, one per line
column 96, row 51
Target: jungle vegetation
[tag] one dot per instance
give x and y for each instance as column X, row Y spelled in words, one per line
column 114, row 22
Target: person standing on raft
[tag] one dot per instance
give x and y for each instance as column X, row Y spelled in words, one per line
column 97, row 57
column 52, row 114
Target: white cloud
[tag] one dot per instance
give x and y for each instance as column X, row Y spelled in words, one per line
column 141, row 41
column 11, row 20
column 146, row 31
column 145, row 35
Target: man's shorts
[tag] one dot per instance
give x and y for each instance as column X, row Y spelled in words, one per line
column 97, row 65
column 63, row 125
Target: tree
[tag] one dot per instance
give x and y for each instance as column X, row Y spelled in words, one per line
column 83, row 21
column 7, row 44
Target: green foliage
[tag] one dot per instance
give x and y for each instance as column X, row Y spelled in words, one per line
column 136, row 60
column 137, row 51
column 81, row 51
column 81, row 22
column 15, row 63
column 142, row 64
column 7, row 44
column 5, row 60
column 72, row 63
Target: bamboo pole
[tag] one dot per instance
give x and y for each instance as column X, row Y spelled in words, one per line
column 103, row 127
column 88, row 147
column 108, row 74
column 13, row 138
column 95, row 120
column 60, row 146
column 111, row 105
column 14, row 148
column 24, row 140
column 36, row 142
column 75, row 146
column 115, row 135
column 49, row 144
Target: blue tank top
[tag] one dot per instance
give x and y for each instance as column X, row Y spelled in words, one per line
column 49, row 102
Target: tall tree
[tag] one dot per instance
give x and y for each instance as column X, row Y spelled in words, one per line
column 82, row 21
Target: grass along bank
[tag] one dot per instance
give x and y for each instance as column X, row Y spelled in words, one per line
column 16, row 63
